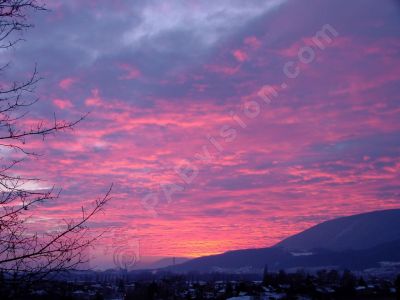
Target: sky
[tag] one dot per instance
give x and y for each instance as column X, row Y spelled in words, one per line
column 222, row 125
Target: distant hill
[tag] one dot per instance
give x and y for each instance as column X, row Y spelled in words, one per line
column 356, row 232
column 247, row 260
column 356, row 242
column 161, row 263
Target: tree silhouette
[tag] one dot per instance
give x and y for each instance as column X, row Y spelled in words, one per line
column 27, row 256
column 397, row 285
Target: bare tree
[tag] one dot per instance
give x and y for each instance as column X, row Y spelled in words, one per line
column 26, row 256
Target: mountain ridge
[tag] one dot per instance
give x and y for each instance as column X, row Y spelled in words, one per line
column 349, row 232
column 313, row 248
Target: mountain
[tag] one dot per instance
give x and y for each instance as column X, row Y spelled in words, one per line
column 356, row 232
column 239, row 260
column 161, row 263
column 355, row 242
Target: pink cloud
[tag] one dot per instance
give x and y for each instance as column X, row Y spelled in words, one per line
column 63, row 103
column 226, row 70
column 294, row 49
column 66, row 83
column 240, row 55
column 253, row 42
column 95, row 99
column 131, row 72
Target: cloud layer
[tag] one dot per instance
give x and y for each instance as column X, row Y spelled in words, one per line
column 168, row 84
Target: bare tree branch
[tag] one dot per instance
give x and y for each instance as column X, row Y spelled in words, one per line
column 26, row 255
